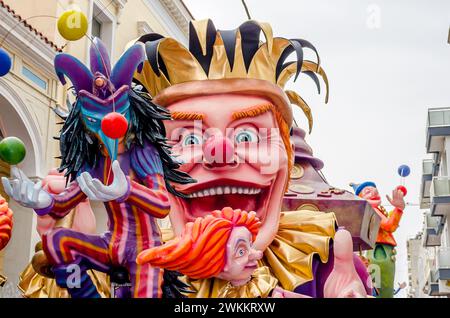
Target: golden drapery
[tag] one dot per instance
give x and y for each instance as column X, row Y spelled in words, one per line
column 301, row 235
column 33, row 285
column 260, row 286
column 287, row 261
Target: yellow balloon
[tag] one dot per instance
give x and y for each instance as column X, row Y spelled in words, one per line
column 72, row 25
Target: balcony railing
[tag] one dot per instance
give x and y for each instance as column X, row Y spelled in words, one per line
column 440, row 187
column 427, row 176
column 440, row 196
column 438, row 117
column 432, row 233
column 438, row 126
column 443, row 263
column 443, row 257
column 433, row 283
column 432, row 222
column 427, row 167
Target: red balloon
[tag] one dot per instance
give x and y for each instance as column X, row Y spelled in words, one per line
column 403, row 189
column 114, row 125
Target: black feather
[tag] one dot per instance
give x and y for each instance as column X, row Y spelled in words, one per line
column 173, row 287
column 81, row 150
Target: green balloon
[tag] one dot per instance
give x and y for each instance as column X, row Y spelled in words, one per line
column 12, row 150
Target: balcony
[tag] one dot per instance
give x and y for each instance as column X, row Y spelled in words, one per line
column 440, row 196
column 427, row 176
column 433, row 284
column 438, row 127
column 433, row 227
column 443, row 263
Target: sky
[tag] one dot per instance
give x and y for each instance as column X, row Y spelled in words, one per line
column 387, row 63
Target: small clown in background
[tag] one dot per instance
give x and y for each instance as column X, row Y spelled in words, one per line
column 383, row 254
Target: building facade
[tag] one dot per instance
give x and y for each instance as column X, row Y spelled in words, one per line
column 435, row 198
column 31, row 91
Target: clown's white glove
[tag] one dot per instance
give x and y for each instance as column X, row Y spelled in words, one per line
column 26, row 192
column 97, row 191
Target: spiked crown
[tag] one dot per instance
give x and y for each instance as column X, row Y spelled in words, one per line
column 234, row 61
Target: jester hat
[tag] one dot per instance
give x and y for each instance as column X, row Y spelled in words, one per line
column 102, row 89
column 228, row 61
column 359, row 187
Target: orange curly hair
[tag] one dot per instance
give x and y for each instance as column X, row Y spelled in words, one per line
column 200, row 251
column 6, row 222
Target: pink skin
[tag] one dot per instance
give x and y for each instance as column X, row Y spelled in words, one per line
column 344, row 281
column 84, row 219
column 371, row 195
column 241, row 257
column 241, row 165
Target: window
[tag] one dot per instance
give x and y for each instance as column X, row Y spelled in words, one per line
column 96, row 28
column 103, row 25
column 36, row 79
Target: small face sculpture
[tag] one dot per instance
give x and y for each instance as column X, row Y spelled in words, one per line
column 241, row 257
column 371, row 195
column 234, row 151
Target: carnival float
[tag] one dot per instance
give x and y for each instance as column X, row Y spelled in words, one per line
column 203, row 135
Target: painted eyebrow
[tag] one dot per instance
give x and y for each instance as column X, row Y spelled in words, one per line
column 252, row 111
column 187, row 116
column 237, row 243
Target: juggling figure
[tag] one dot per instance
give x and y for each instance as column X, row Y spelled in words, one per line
column 130, row 174
column 383, row 254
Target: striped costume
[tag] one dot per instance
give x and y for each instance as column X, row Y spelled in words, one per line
column 131, row 226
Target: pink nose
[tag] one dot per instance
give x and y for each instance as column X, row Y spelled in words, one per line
column 218, row 151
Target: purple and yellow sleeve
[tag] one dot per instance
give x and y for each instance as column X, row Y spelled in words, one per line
column 63, row 202
column 151, row 198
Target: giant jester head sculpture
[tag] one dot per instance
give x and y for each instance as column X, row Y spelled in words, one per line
column 232, row 116
column 101, row 90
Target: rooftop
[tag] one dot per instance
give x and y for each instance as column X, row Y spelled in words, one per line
column 29, row 26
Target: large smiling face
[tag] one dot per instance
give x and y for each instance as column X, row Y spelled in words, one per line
column 235, row 152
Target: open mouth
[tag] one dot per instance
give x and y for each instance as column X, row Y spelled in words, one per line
column 207, row 197
column 252, row 267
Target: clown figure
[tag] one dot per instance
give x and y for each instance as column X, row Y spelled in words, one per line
column 383, row 254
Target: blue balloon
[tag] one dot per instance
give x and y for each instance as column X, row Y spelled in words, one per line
column 5, row 62
column 404, row 171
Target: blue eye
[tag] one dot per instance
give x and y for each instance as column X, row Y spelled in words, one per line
column 241, row 252
column 192, row 139
column 246, row 136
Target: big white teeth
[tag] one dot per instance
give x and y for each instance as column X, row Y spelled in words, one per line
column 223, row 190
